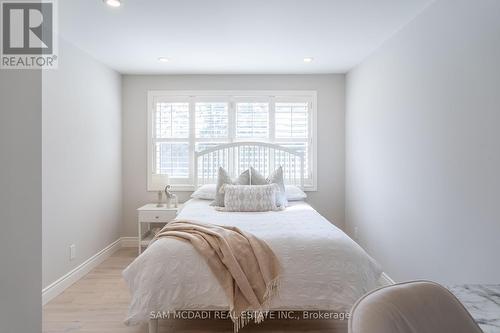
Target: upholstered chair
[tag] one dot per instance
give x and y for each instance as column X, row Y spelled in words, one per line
column 411, row 307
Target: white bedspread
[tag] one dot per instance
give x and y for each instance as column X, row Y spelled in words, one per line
column 323, row 269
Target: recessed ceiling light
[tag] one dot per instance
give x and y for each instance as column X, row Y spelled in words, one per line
column 308, row 59
column 163, row 59
column 113, row 3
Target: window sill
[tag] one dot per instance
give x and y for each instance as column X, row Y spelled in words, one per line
column 191, row 188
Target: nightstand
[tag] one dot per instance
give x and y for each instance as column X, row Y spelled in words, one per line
column 149, row 215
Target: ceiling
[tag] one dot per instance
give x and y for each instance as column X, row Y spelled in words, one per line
column 233, row 36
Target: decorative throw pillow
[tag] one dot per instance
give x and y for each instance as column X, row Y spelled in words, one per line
column 294, row 193
column 244, row 198
column 275, row 178
column 205, row 192
column 224, row 178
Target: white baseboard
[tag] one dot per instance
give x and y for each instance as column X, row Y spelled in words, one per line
column 58, row 286
column 386, row 279
column 128, row 241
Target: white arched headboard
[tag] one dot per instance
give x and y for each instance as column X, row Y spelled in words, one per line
column 238, row 156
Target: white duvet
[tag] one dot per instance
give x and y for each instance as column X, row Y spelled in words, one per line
column 323, row 269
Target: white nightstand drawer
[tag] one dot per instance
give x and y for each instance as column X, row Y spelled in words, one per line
column 157, row 216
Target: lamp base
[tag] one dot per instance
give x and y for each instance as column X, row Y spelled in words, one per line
column 160, row 199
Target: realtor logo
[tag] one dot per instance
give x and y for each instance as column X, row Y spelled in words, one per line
column 28, row 34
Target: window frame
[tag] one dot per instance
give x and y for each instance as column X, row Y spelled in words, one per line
column 232, row 97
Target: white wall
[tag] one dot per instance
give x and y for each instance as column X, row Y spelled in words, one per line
column 328, row 200
column 81, row 160
column 423, row 146
column 20, row 200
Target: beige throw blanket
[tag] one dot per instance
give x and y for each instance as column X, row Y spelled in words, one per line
column 244, row 265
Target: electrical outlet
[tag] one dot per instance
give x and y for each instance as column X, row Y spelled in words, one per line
column 72, row 252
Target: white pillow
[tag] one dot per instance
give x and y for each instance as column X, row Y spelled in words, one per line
column 293, row 193
column 205, row 192
column 249, row 198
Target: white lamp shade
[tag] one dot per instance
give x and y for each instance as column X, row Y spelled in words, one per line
column 159, row 182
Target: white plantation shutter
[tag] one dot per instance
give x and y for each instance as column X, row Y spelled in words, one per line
column 292, row 120
column 252, row 120
column 185, row 123
column 212, row 123
column 212, row 120
column 171, row 120
column 171, row 123
column 172, row 159
column 292, row 131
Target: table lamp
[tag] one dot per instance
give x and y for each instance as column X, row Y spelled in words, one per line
column 160, row 181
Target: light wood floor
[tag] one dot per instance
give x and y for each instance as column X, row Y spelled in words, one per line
column 98, row 303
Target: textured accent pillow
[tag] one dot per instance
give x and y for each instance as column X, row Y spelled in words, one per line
column 275, row 178
column 205, row 192
column 294, row 193
column 224, row 178
column 244, row 198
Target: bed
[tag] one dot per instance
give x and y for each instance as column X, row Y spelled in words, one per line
column 323, row 269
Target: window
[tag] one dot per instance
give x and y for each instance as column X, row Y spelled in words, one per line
column 291, row 120
column 182, row 122
column 171, row 139
column 252, row 120
column 211, row 120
